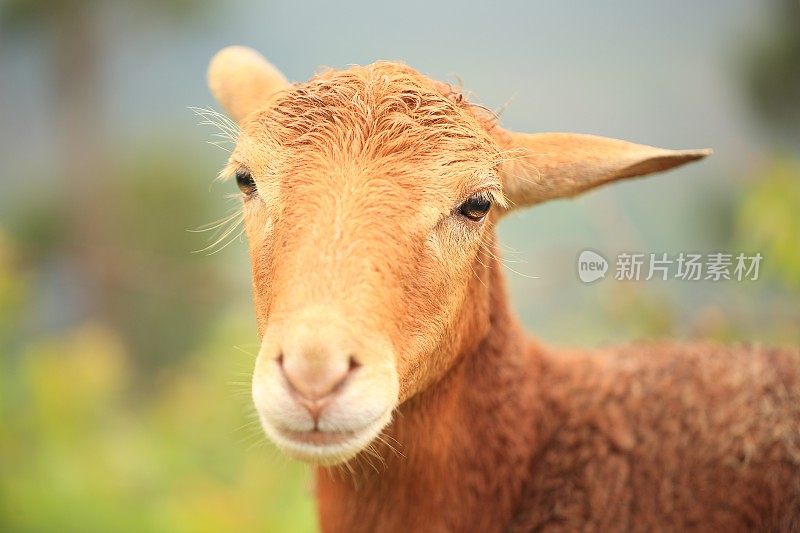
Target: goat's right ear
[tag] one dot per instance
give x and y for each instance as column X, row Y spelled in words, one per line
column 242, row 80
column 546, row 166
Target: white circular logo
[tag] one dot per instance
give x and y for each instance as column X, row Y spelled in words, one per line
column 591, row 266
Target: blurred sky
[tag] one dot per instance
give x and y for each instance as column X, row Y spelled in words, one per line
column 657, row 73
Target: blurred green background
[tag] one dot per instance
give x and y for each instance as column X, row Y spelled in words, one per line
column 125, row 357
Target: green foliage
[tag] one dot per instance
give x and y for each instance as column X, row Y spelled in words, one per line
column 13, row 291
column 641, row 313
column 772, row 70
column 82, row 451
column 24, row 15
column 137, row 418
column 769, row 221
column 161, row 286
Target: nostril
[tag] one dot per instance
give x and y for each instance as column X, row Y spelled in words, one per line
column 279, row 359
column 353, row 364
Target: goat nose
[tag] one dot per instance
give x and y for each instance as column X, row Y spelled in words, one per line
column 315, row 382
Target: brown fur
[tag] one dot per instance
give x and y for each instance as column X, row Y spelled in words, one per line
column 357, row 249
column 650, row 437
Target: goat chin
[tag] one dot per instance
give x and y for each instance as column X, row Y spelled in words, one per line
column 326, row 448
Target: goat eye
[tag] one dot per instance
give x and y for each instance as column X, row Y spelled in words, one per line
column 245, row 182
column 476, row 207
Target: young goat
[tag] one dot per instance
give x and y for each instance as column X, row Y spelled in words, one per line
column 370, row 199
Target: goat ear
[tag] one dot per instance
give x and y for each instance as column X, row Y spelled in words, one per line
column 242, row 80
column 545, row 166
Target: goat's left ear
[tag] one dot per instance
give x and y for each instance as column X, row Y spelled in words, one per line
column 242, row 80
column 544, row 166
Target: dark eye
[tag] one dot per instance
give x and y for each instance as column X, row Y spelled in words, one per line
column 476, row 206
column 245, row 182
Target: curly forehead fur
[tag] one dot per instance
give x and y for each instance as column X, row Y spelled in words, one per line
column 381, row 112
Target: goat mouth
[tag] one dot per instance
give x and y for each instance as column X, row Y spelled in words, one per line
column 326, row 448
column 316, row 437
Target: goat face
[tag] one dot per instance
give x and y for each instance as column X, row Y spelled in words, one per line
column 367, row 201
